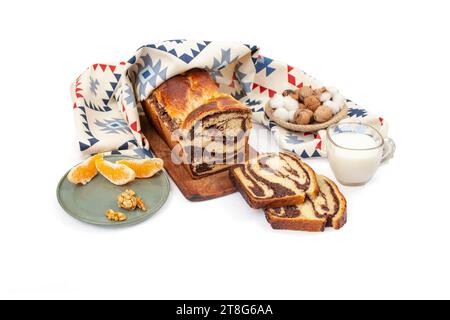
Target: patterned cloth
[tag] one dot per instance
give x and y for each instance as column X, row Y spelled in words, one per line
column 107, row 97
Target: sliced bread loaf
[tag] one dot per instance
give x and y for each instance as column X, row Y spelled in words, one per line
column 275, row 179
column 328, row 209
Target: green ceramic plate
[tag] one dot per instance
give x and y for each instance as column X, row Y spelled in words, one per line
column 88, row 203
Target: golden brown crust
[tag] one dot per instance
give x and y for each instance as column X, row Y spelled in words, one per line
column 188, row 97
column 340, row 218
column 185, row 92
column 220, row 103
column 150, row 109
column 297, row 224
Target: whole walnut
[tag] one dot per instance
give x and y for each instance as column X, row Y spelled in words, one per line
column 303, row 116
column 323, row 114
column 304, row 92
column 293, row 94
column 312, row 103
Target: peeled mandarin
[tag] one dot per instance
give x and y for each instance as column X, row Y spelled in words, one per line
column 116, row 173
column 85, row 171
column 143, row 168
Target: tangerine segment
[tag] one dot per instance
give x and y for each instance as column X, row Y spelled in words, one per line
column 116, row 173
column 85, row 171
column 144, row 168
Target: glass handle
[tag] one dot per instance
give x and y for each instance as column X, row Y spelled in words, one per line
column 388, row 150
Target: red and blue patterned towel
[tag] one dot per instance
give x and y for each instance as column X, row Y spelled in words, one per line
column 107, row 97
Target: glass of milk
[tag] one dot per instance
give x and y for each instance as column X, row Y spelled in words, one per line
column 354, row 151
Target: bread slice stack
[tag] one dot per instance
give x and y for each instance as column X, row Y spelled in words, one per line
column 328, row 209
column 292, row 195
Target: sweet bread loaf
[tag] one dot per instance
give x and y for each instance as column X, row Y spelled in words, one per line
column 190, row 113
column 328, row 209
column 274, row 180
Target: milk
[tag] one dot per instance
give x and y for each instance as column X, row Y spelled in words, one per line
column 354, row 157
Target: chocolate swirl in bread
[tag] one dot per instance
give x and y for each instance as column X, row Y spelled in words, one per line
column 275, row 179
column 328, row 209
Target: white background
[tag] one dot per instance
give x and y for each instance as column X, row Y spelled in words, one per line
column 389, row 56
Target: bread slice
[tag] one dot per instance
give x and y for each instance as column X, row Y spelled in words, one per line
column 328, row 209
column 275, row 180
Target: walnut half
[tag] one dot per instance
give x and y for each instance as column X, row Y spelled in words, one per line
column 128, row 200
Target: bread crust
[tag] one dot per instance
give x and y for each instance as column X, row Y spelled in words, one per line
column 189, row 97
column 220, row 104
column 298, row 224
column 150, row 109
